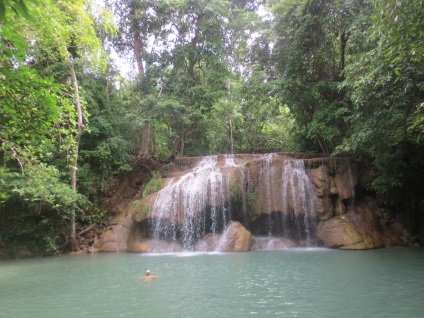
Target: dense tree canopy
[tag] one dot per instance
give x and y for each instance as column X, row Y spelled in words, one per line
column 336, row 77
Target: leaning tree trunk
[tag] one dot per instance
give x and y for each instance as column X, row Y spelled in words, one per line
column 74, row 163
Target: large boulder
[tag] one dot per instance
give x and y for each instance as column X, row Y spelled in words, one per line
column 370, row 218
column 342, row 233
column 235, row 238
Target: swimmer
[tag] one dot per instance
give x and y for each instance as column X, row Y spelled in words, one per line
column 149, row 276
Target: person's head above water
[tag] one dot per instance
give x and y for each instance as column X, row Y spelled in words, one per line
column 148, row 272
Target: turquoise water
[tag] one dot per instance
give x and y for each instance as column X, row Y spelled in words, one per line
column 288, row 283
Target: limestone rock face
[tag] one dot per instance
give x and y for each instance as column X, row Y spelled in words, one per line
column 341, row 233
column 116, row 239
column 372, row 220
column 324, row 208
column 320, row 177
column 334, row 183
column 345, row 181
column 236, row 238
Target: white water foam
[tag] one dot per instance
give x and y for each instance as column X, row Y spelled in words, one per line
column 177, row 210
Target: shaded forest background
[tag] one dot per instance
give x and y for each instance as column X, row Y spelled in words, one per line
column 337, row 77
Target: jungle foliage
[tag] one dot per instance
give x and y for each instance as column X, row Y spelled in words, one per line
column 195, row 78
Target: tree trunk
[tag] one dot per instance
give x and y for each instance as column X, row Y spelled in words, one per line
column 155, row 143
column 137, row 41
column 139, row 53
column 344, row 37
column 74, row 163
column 107, row 88
column 322, row 145
column 230, row 128
column 145, row 141
column 181, row 146
column 192, row 59
column 230, row 119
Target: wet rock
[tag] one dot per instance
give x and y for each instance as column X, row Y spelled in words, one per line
column 115, row 239
column 236, row 238
column 321, row 180
column 345, row 183
column 342, row 233
column 329, row 207
column 372, row 219
column 339, row 208
column 365, row 226
column 333, row 188
column 324, row 208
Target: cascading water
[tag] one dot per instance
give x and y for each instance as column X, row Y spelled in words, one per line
column 267, row 172
column 230, row 161
column 287, row 202
column 298, row 198
column 241, row 187
column 190, row 206
column 198, row 202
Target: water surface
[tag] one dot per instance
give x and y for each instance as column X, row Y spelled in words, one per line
column 287, row 283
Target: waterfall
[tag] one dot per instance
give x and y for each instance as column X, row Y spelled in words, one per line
column 192, row 205
column 298, row 199
column 267, row 173
column 198, row 202
column 230, row 160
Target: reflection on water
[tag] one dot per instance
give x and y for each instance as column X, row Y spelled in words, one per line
column 288, row 283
